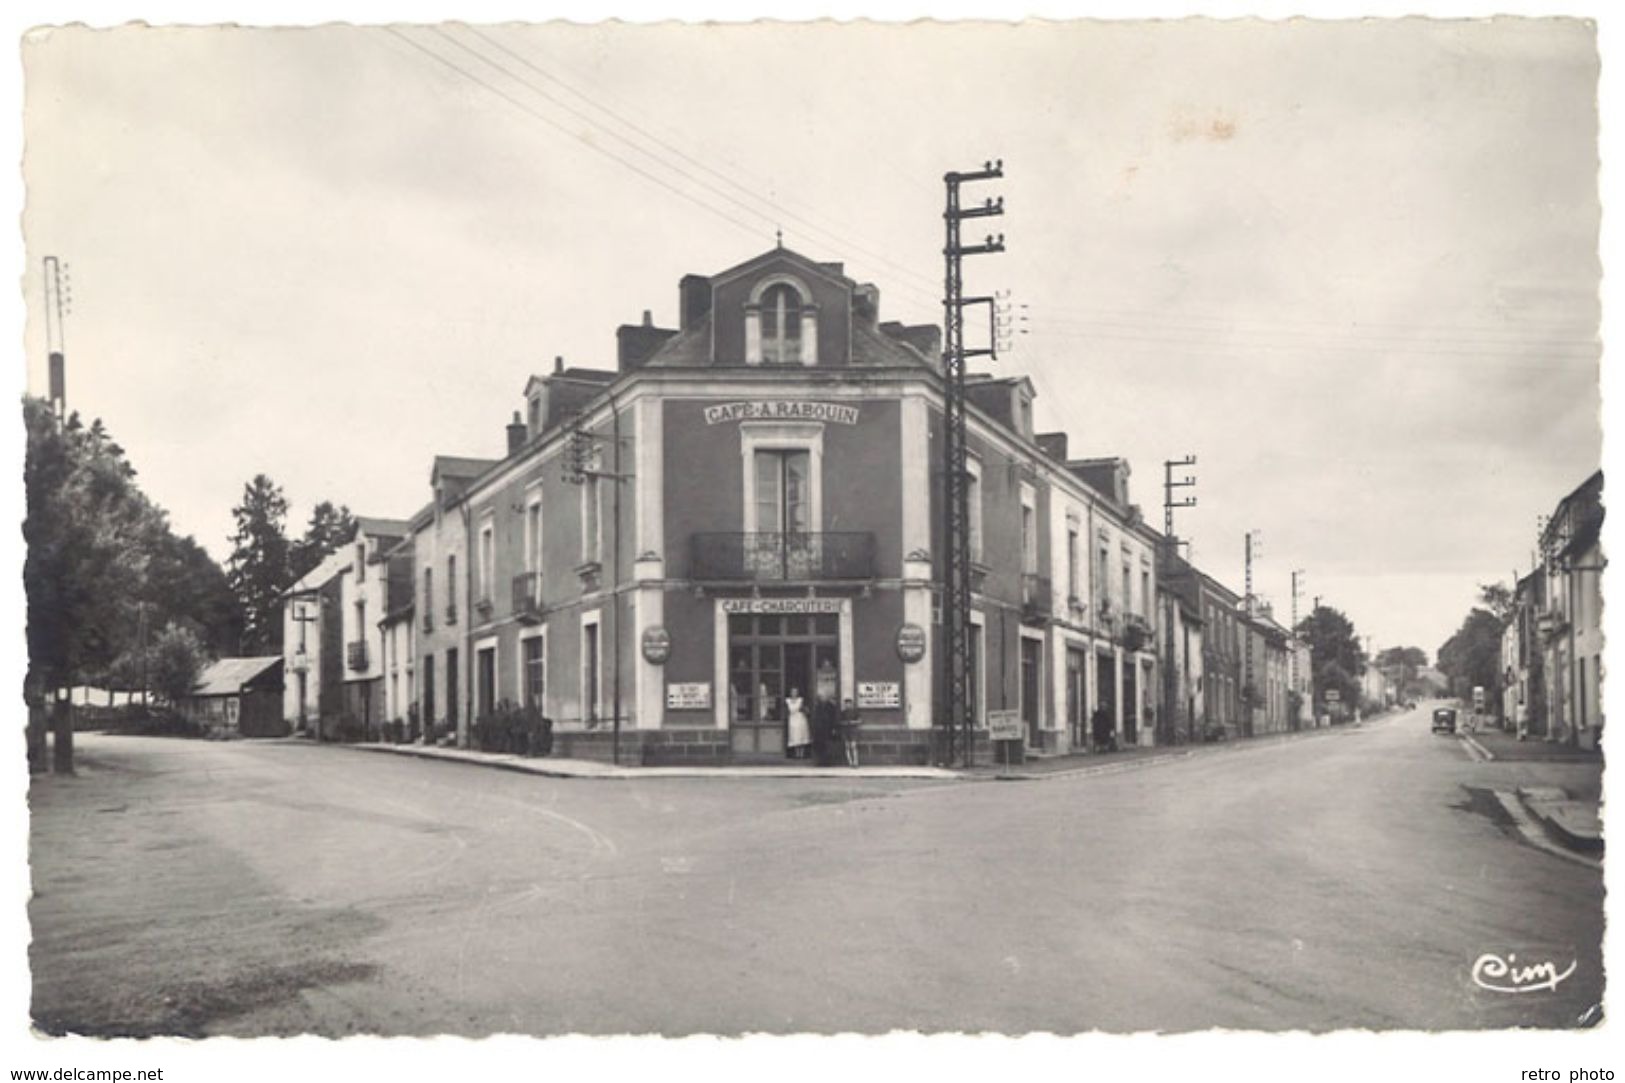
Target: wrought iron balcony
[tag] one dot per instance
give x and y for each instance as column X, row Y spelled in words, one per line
column 776, row 556
column 451, row 612
column 1037, row 602
column 428, row 621
column 356, row 652
column 527, row 597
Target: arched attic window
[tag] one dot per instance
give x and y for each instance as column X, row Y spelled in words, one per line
column 781, row 324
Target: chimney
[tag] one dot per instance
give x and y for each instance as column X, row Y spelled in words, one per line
column 866, row 305
column 924, row 337
column 693, row 301
column 558, row 364
column 1053, row 444
column 635, row 343
column 516, row 433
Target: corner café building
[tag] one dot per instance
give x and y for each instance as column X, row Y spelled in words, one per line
column 773, row 532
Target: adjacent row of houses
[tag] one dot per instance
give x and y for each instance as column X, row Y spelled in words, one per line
column 1551, row 644
column 746, row 510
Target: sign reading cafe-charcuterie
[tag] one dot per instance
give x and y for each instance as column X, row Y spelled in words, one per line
column 781, row 410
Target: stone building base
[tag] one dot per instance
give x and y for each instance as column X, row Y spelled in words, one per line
column 880, row 746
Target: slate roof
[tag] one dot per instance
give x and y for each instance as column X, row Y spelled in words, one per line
column 227, row 676
column 382, row 528
column 461, row 466
column 870, row 346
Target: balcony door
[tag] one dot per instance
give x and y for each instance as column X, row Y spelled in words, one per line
column 783, row 490
column 781, row 545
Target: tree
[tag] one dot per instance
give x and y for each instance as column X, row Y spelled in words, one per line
column 87, row 530
column 1336, row 658
column 187, row 587
column 329, row 528
column 260, row 564
column 177, row 658
column 1497, row 598
column 1473, row 655
column 1404, row 663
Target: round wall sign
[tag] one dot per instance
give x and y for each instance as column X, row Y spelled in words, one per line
column 656, row 645
column 911, row 643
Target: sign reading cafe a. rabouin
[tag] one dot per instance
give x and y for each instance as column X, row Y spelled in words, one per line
column 781, row 410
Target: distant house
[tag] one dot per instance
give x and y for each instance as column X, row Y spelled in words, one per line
column 240, row 696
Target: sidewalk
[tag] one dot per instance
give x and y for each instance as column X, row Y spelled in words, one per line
column 552, row 767
column 1036, row 767
column 1507, row 748
column 1570, row 814
column 1571, row 822
column 1098, row 763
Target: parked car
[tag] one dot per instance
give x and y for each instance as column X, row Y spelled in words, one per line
column 1444, row 720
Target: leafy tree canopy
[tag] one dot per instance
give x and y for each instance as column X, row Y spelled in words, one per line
column 1336, row 658
column 177, row 661
column 329, row 528
column 260, row 563
column 1472, row 656
column 103, row 564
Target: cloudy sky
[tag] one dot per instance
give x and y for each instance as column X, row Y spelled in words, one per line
column 1350, row 266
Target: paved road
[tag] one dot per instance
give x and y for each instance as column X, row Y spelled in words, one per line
column 1342, row 879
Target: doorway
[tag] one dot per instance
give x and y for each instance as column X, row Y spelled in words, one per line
column 451, row 689
column 1076, row 697
column 1131, row 701
column 1031, row 683
column 769, row 657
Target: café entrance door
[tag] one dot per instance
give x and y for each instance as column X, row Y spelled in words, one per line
column 771, row 657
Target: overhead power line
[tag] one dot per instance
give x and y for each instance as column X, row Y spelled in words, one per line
column 729, row 201
column 777, row 208
column 554, row 124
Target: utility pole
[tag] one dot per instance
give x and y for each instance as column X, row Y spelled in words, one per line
column 1168, row 487
column 1255, row 548
column 56, row 306
column 956, row 708
column 141, row 647
column 1297, row 581
column 580, row 463
column 1247, row 687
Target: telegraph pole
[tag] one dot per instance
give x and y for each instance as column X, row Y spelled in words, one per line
column 1247, row 655
column 956, row 709
column 581, row 461
column 56, row 306
column 1254, row 548
column 1168, row 487
column 1297, row 582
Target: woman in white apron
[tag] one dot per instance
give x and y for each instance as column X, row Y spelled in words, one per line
column 800, row 736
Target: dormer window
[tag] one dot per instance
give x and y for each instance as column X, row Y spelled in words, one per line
column 781, row 324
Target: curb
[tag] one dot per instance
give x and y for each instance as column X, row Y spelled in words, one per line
column 1239, row 744
column 1475, row 749
column 517, row 766
column 593, row 771
column 1586, row 845
column 1093, row 769
column 1532, row 828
